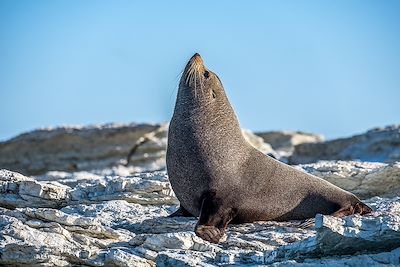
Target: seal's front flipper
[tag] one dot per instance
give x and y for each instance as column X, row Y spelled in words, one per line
column 358, row 208
column 214, row 218
column 181, row 212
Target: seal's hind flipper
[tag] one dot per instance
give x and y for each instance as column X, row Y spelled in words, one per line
column 180, row 212
column 358, row 208
column 210, row 233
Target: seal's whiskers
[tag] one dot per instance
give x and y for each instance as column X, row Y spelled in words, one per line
column 194, row 77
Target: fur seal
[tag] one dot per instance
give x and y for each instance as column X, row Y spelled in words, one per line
column 219, row 177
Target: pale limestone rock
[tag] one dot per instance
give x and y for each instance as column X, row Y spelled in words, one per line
column 365, row 179
column 25, row 245
column 378, row 232
column 125, row 258
column 85, row 236
column 53, row 215
column 120, row 214
column 115, row 217
column 35, row 236
column 174, row 258
column 391, row 258
column 17, row 190
column 258, row 143
column 283, row 142
column 177, row 240
column 153, row 188
column 143, row 188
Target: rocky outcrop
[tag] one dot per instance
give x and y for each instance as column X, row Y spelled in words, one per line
column 59, row 189
column 365, row 179
column 283, row 142
column 107, row 146
column 346, row 236
column 94, row 148
column 110, row 146
column 83, row 218
column 86, row 206
column 376, row 145
column 74, row 148
column 257, row 142
column 144, row 188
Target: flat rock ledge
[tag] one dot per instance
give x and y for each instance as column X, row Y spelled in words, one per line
column 145, row 188
column 59, row 189
column 378, row 144
column 365, row 179
column 97, row 219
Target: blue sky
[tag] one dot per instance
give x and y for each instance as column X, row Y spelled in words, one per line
column 329, row 67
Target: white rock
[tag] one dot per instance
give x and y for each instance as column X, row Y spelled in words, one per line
column 20, row 191
column 177, row 240
column 173, row 258
column 104, row 222
column 391, row 258
column 258, row 143
column 123, row 258
column 336, row 236
column 365, row 179
column 143, row 188
column 283, row 142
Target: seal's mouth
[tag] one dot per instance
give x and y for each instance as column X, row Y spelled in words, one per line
column 193, row 75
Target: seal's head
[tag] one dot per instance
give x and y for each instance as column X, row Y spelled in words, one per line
column 202, row 103
column 198, row 85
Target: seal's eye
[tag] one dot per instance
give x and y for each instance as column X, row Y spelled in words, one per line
column 214, row 95
column 206, row 74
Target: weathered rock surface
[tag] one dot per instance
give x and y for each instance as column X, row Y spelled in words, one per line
column 73, row 148
column 108, row 146
column 283, row 142
column 349, row 235
column 59, row 189
column 86, row 207
column 144, row 188
column 121, row 221
column 376, row 145
column 365, row 179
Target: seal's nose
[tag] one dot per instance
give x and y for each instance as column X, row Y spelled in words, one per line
column 196, row 59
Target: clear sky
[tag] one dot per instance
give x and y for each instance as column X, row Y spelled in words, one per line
column 329, row 67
